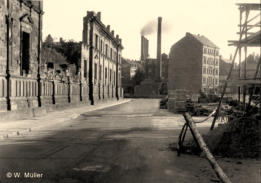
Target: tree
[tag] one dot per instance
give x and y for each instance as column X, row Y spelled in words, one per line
column 48, row 41
column 71, row 50
column 138, row 77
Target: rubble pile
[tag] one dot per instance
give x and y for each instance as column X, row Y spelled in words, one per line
column 239, row 138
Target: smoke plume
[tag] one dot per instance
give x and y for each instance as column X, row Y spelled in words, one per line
column 149, row 28
column 152, row 27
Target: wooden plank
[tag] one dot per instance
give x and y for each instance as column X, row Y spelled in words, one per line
column 211, row 159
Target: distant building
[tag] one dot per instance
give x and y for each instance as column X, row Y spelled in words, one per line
column 151, row 68
column 165, row 66
column 194, row 65
column 129, row 69
column 101, row 59
column 224, row 67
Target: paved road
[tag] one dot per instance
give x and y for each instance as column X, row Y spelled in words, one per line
column 128, row 143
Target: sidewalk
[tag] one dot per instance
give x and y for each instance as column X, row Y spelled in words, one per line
column 15, row 128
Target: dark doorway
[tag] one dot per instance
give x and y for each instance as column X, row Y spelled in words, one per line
column 25, row 52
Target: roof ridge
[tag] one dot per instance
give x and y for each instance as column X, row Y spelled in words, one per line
column 204, row 40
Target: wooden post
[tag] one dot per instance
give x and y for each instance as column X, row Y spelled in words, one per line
column 239, row 63
column 228, row 77
column 211, row 159
column 180, row 142
column 260, row 86
column 239, row 55
column 245, row 64
column 224, row 90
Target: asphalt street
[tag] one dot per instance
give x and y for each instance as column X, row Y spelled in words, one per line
column 127, row 143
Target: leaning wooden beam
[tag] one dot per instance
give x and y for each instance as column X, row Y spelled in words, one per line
column 224, row 89
column 218, row 170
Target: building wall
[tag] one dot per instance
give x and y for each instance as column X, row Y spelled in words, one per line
column 210, row 69
column 102, row 73
column 194, row 66
column 23, row 90
column 185, row 65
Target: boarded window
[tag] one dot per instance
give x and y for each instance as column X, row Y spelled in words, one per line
column 114, row 79
column 101, row 45
column 100, row 69
column 85, row 68
column 50, row 65
column 25, row 43
column 110, row 75
column 106, row 50
column 85, row 32
column 95, row 71
column 96, row 41
column 105, row 75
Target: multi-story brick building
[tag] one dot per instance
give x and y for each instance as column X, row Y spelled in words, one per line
column 194, row 65
column 20, row 43
column 101, row 59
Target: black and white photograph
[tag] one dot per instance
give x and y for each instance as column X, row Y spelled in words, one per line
column 130, row 91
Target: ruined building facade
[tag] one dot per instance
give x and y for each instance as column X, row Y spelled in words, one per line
column 20, row 40
column 101, row 59
column 27, row 88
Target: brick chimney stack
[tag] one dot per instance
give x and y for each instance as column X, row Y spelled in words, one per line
column 159, row 48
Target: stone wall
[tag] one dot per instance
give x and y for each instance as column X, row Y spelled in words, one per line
column 57, row 94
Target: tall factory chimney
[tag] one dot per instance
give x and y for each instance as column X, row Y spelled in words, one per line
column 144, row 48
column 159, row 48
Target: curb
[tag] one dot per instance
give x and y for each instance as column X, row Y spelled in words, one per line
column 17, row 132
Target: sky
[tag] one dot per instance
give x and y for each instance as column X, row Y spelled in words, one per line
column 215, row 19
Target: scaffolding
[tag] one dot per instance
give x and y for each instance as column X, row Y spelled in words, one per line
column 249, row 36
